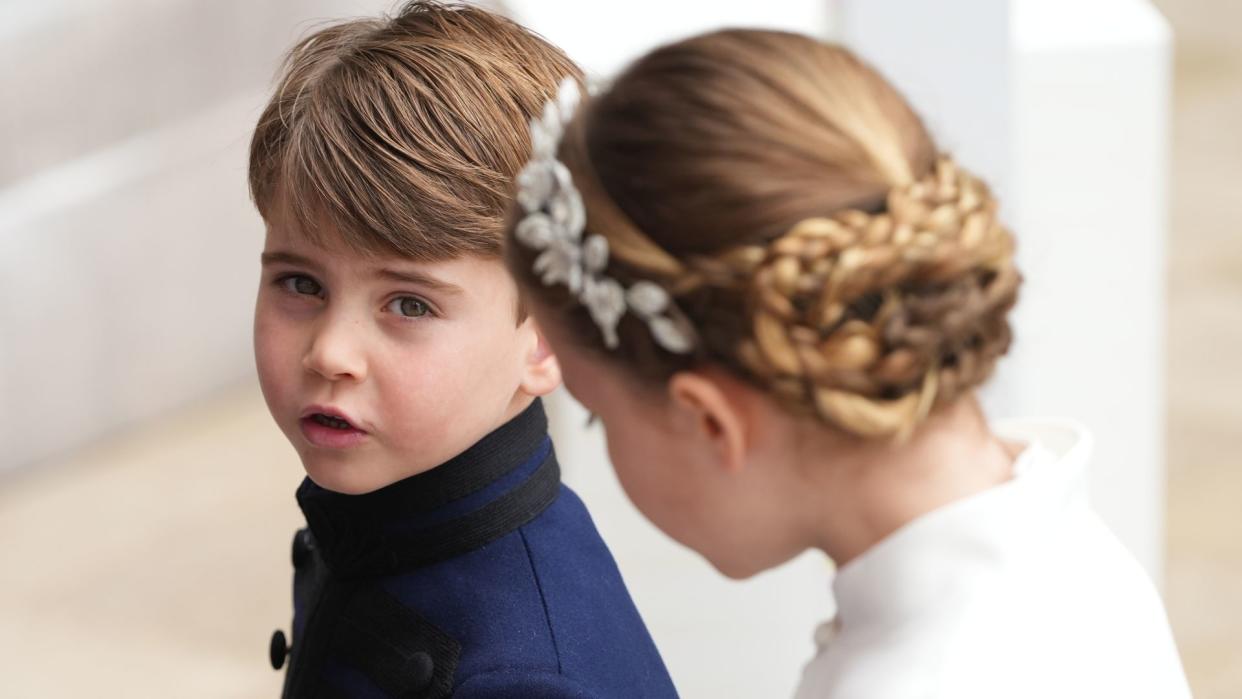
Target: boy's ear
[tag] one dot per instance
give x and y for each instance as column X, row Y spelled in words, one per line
column 711, row 409
column 541, row 373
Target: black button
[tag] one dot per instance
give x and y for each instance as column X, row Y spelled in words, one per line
column 278, row 649
column 303, row 544
column 421, row 670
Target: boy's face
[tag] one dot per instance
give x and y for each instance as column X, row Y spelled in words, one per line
column 378, row 368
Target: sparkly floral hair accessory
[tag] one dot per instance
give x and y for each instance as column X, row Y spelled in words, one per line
column 553, row 222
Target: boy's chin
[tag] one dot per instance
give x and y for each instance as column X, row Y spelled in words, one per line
column 347, row 479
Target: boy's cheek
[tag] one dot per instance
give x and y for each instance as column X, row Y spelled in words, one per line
column 265, row 347
column 466, row 361
column 273, row 362
column 447, row 387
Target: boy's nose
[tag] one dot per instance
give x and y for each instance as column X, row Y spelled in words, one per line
column 335, row 353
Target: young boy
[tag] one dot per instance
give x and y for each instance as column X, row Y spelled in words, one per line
column 443, row 556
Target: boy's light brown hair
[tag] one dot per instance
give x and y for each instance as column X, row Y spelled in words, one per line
column 403, row 134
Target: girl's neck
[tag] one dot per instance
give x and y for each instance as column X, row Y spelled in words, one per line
column 865, row 491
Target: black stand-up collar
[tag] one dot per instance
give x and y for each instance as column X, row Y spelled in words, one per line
column 499, row 484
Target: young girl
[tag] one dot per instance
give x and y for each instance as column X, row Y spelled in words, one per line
column 779, row 296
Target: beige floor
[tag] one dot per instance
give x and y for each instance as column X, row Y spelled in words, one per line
column 154, row 565
column 116, row 562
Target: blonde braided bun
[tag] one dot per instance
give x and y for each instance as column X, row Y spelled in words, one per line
column 872, row 319
column 802, row 218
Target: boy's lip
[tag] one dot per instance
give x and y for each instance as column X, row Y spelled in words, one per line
column 330, row 437
column 330, row 411
column 327, row 437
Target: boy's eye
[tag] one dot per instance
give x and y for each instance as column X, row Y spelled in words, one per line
column 299, row 284
column 408, row 306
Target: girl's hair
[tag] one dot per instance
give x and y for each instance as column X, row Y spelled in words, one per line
column 797, row 210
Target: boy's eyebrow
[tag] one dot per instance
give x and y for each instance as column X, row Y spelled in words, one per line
column 289, row 258
column 413, row 277
column 400, row 275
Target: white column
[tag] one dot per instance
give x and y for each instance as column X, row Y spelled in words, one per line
column 1063, row 105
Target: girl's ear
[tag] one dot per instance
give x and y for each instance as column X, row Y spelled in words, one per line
column 711, row 409
column 541, row 372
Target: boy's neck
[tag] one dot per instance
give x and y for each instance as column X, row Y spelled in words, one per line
column 499, row 483
column 520, row 402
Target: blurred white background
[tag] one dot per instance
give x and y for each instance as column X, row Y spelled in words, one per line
column 146, row 500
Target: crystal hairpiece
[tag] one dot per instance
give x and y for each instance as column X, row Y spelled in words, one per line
column 553, row 223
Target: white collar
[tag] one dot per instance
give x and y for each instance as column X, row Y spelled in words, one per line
column 935, row 557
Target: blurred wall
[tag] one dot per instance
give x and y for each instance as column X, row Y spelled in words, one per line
column 128, row 246
column 128, row 250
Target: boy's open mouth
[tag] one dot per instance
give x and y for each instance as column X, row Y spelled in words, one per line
column 333, row 422
column 331, row 431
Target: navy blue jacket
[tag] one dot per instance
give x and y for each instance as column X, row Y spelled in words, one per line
column 483, row 577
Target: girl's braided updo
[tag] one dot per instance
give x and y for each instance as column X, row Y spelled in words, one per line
column 798, row 212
